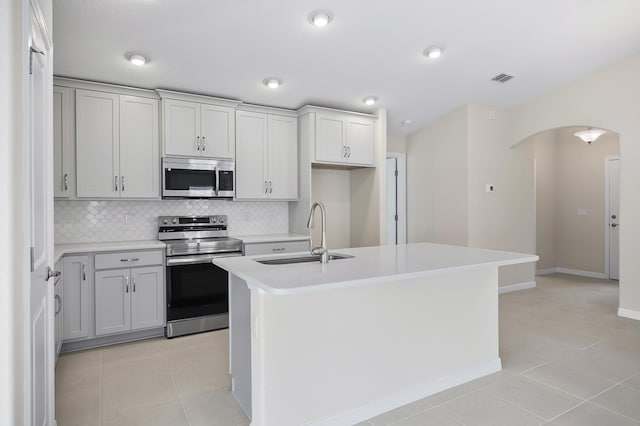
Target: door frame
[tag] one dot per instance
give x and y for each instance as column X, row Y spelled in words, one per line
column 607, row 228
column 401, row 194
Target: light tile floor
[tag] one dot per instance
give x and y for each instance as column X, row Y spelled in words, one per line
column 567, row 358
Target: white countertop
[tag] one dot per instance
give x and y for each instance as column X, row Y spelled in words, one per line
column 369, row 265
column 270, row 238
column 60, row 250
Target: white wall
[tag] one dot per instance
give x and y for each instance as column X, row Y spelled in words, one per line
column 396, row 143
column 546, row 199
column 11, row 245
column 495, row 217
column 580, row 239
column 609, row 99
column 332, row 187
column 437, row 181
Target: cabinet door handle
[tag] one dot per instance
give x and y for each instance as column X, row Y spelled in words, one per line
column 198, row 143
column 278, row 249
column 204, row 144
column 122, row 183
column 66, row 182
column 133, row 282
column 344, row 152
column 84, row 272
column 115, row 183
column 126, row 283
column 348, row 152
column 266, row 187
column 59, row 300
column 130, row 259
column 270, row 187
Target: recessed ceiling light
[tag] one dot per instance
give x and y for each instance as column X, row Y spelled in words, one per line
column 433, row 52
column 369, row 100
column 137, row 58
column 320, row 18
column 272, row 82
column 406, row 122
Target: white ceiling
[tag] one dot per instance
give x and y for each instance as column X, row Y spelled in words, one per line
column 372, row 47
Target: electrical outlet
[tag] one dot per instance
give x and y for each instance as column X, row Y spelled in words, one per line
column 489, row 187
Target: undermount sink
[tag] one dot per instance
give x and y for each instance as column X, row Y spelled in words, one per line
column 301, row 259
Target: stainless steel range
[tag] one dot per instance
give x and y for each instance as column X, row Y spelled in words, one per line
column 197, row 290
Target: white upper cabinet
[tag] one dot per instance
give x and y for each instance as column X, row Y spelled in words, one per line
column 198, row 126
column 63, row 167
column 218, row 131
column 97, row 144
column 266, row 155
column 282, row 154
column 139, row 148
column 341, row 137
column 117, row 152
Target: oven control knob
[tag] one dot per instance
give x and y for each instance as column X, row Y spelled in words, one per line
column 165, row 221
column 214, row 220
column 175, row 221
column 222, row 220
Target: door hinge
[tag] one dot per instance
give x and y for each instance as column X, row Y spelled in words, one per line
column 396, row 218
column 396, row 172
column 33, row 50
column 32, row 255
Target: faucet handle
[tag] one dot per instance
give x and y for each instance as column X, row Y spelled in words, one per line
column 316, row 251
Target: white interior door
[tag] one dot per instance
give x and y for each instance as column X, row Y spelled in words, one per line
column 38, row 203
column 392, row 202
column 613, row 217
column 396, row 198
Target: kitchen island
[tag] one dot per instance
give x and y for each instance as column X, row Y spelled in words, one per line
column 338, row 343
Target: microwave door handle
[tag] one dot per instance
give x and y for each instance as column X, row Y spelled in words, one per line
column 217, row 180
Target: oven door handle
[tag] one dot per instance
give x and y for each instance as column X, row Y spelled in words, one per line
column 193, row 260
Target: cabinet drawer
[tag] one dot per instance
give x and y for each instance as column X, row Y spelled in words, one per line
column 128, row 259
column 275, row 248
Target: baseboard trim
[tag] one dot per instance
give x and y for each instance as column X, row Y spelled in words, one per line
column 406, row 396
column 629, row 313
column 570, row 271
column 79, row 345
column 516, row 287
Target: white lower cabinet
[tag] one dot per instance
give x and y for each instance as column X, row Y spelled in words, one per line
column 129, row 299
column 76, row 290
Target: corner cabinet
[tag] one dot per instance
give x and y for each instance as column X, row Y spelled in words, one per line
column 266, row 154
column 197, row 126
column 63, row 167
column 130, row 298
column 117, row 145
column 340, row 137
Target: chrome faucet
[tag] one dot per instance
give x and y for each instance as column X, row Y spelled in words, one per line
column 322, row 250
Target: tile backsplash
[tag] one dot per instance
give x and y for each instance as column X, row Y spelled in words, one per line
column 90, row 221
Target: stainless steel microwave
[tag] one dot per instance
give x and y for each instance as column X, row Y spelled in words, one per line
column 197, row 178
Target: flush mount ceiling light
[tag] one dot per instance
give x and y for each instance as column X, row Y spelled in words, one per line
column 272, row 82
column 406, row 122
column 137, row 58
column 590, row 134
column 433, row 52
column 320, row 18
column 369, row 100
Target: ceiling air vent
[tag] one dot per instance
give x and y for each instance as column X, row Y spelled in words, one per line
column 502, row 78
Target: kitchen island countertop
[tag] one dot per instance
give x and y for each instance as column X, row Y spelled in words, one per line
column 368, row 265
